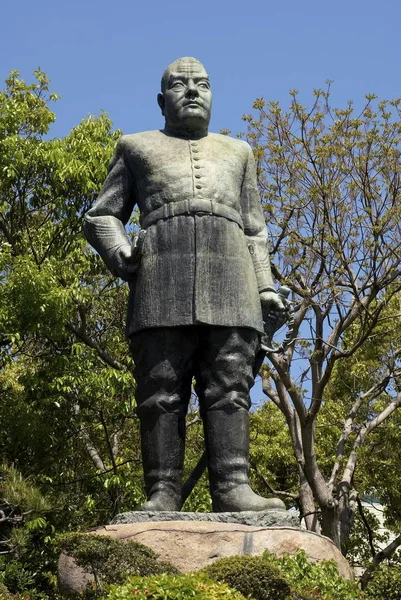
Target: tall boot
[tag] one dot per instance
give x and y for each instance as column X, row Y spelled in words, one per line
column 163, row 442
column 227, row 447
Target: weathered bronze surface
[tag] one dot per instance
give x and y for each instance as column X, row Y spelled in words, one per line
column 199, row 278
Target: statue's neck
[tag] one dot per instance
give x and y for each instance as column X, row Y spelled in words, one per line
column 193, row 134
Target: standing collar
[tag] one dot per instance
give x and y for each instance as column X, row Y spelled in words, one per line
column 187, row 134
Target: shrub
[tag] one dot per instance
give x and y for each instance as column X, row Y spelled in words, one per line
column 173, row 587
column 267, row 577
column 386, row 583
column 251, row 575
column 17, row 583
column 5, row 594
column 111, row 561
column 15, row 577
column 321, row 580
column 305, row 596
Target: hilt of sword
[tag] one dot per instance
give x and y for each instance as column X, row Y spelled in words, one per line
column 284, row 292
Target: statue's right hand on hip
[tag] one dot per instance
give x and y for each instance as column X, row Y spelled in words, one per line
column 126, row 263
column 128, row 257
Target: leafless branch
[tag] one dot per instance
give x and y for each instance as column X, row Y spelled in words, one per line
column 384, row 554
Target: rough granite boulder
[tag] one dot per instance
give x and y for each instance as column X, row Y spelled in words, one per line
column 191, row 545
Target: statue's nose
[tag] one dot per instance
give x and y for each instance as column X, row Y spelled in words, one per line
column 192, row 90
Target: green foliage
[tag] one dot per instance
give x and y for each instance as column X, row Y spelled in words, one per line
column 62, row 341
column 322, row 577
column 21, row 492
column 271, row 458
column 386, row 583
column 329, row 179
column 29, row 562
column 173, row 587
column 329, row 184
column 380, row 473
column 305, row 596
column 5, row 594
column 199, row 500
column 29, row 593
column 21, row 579
column 112, row 561
column 253, row 576
column 378, row 459
column 359, row 551
column 288, row 578
column 16, row 577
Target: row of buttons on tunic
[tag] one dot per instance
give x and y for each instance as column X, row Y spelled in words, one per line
column 194, row 151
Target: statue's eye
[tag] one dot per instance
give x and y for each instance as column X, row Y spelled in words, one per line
column 177, row 85
column 204, row 85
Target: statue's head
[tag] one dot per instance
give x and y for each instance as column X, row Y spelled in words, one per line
column 186, row 98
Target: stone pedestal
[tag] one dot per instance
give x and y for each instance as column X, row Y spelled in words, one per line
column 191, row 541
column 263, row 518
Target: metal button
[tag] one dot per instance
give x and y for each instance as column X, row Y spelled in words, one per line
column 198, row 176
column 199, row 187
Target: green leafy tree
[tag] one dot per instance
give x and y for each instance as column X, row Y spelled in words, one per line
column 67, row 408
column 27, row 557
column 272, row 463
column 330, row 184
column 377, row 475
column 62, row 314
column 386, row 584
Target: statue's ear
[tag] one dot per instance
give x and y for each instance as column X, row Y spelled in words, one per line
column 161, row 102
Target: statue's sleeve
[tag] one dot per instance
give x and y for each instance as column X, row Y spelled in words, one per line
column 255, row 227
column 104, row 223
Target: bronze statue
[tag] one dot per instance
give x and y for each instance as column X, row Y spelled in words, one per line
column 199, row 277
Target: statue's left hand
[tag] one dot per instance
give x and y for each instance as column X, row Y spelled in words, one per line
column 272, row 302
column 275, row 308
column 276, row 311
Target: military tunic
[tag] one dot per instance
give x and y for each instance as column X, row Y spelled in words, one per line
column 205, row 257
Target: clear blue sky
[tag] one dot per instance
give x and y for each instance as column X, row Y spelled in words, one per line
column 110, row 55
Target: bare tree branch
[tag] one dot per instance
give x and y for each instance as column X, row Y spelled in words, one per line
column 384, row 554
column 364, row 431
column 374, row 391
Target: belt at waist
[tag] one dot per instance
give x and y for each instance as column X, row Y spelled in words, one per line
column 190, row 207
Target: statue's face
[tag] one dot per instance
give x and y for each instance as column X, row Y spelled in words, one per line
column 186, row 101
